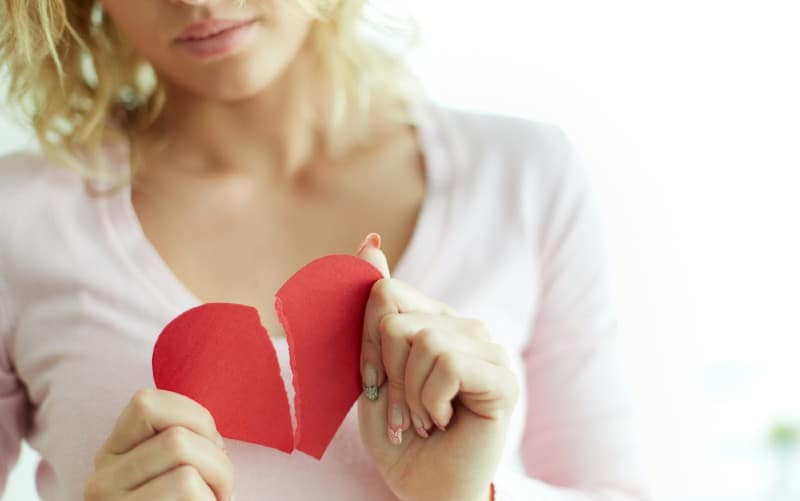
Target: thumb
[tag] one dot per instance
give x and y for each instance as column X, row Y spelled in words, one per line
column 370, row 251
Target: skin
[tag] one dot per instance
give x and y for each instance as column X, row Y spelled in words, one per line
column 237, row 188
column 446, row 371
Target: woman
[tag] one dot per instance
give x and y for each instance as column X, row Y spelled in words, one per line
column 270, row 133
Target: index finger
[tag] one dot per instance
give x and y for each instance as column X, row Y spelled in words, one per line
column 150, row 411
column 370, row 251
column 388, row 296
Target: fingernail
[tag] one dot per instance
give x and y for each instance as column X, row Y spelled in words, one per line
column 418, row 425
column 437, row 424
column 395, row 428
column 374, row 240
column 395, row 436
column 371, row 383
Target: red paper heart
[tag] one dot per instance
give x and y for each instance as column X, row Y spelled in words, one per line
column 220, row 355
column 321, row 309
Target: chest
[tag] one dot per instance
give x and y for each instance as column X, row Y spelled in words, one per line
column 242, row 247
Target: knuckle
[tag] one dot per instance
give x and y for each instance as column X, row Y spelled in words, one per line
column 477, row 328
column 188, row 482
column 142, row 403
column 449, row 365
column 430, row 340
column 388, row 325
column 382, row 289
column 397, row 386
column 176, row 441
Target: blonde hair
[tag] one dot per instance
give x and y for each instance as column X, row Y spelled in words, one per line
column 79, row 84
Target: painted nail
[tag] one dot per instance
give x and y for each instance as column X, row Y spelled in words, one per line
column 418, row 425
column 374, row 240
column 395, row 436
column 395, row 428
column 371, row 383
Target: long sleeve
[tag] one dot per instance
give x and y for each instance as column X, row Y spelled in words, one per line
column 577, row 442
column 13, row 398
column 13, row 402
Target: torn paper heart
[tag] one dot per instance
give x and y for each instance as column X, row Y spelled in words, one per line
column 219, row 355
column 321, row 309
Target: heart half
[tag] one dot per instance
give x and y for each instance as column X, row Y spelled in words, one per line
column 221, row 356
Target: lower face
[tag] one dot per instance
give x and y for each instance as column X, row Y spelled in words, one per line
column 232, row 61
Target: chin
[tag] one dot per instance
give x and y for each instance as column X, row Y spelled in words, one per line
column 235, row 79
column 237, row 89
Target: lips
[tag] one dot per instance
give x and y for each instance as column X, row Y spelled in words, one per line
column 210, row 28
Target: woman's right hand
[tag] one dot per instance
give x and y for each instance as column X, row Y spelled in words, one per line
column 164, row 446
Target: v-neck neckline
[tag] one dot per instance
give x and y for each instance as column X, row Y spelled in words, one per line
column 143, row 259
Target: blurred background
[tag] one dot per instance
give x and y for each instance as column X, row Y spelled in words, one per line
column 687, row 114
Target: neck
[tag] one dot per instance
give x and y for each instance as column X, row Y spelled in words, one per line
column 274, row 133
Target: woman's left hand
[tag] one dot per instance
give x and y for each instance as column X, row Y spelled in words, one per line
column 436, row 430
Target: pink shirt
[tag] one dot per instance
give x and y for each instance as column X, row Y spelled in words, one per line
column 507, row 233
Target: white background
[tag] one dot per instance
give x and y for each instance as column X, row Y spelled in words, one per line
column 687, row 113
